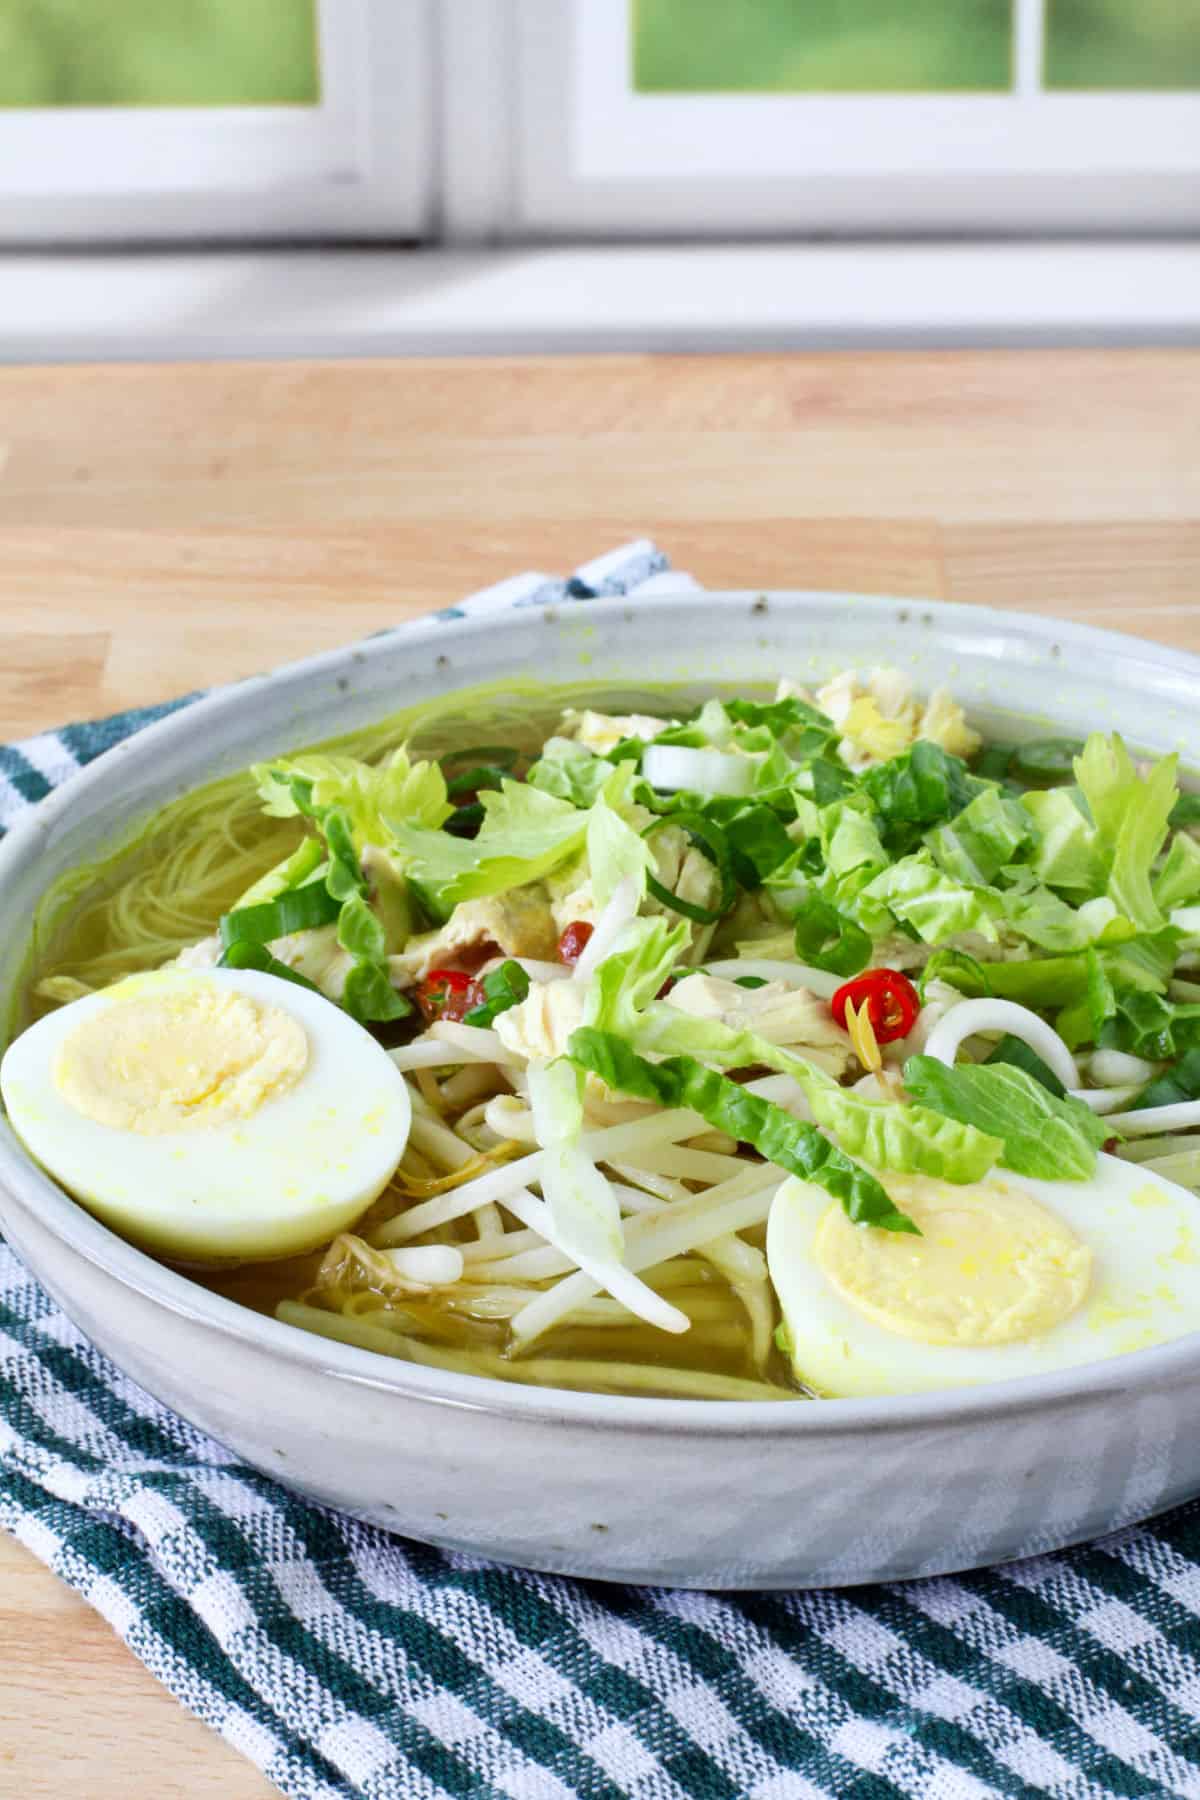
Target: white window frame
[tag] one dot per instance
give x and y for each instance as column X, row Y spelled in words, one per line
column 358, row 164
column 545, row 138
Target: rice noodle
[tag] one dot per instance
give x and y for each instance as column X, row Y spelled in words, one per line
column 617, row 1377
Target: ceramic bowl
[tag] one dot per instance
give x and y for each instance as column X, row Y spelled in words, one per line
column 688, row 1493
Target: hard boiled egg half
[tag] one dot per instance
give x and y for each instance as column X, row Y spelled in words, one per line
column 210, row 1115
column 1010, row 1277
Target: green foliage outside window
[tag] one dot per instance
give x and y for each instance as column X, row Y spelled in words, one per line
column 821, row 46
column 158, row 53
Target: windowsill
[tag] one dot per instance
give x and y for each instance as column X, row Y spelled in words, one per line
column 334, row 301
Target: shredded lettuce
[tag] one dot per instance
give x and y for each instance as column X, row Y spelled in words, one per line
column 524, row 835
column 923, row 787
column 802, row 730
column 615, row 850
column 991, row 831
column 1048, row 1138
column 1146, row 961
column 1067, row 855
column 1178, row 881
column 356, row 807
column 622, row 1003
column 1130, row 813
column 570, row 771
column 789, row 1143
column 370, row 796
column 758, row 842
column 851, row 843
column 1146, row 1025
column 912, row 1140
column 1047, row 921
column 1083, row 1021
column 936, row 905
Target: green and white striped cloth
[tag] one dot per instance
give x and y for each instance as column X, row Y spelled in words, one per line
column 346, row 1662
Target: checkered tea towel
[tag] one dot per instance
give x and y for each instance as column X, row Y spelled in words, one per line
column 346, row 1662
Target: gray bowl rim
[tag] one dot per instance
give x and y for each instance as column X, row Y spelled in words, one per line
column 77, row 1230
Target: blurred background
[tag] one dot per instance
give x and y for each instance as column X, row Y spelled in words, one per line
column 158, row 53
column 265, row 52
column 447, row 126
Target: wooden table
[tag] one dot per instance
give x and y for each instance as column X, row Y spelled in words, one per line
column 166, row 527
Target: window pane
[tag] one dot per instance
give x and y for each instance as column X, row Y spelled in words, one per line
column 821, row 46
column 1122, row 44
column 158, row 52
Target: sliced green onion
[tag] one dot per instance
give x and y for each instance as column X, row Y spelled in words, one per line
column 712, row 839
column 465, row 821
column 484, row 775
column 244, row 954
column 827, row 939
column 1047, row 762
column 994, row 761
column 1016, row 1051
column 297, row 909
column 1186, row 810
column 792, row 1145
column 501, row 756
column 503, row 988
column 758, row 843
column 1173, row 1086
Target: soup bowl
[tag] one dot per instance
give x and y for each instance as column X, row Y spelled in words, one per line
column 679, row 1492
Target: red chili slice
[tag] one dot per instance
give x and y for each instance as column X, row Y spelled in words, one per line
column 574, row 941
column 892, row 1002
column 448, row 994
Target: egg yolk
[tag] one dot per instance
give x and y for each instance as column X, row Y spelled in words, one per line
column 178, row 1057
column 992, row 1265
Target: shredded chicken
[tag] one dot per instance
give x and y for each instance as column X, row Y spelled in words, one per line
column 540, row 1025
column 791, row 1017
column 317, row 956
column 519, row 922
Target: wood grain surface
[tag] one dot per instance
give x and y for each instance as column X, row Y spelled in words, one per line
column 162, row 528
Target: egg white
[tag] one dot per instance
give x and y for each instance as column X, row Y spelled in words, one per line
column 302, row 1167
column 1144, row 1234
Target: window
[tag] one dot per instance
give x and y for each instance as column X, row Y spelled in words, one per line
column 126, row 120
column 792, row 117
column 159, row 119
